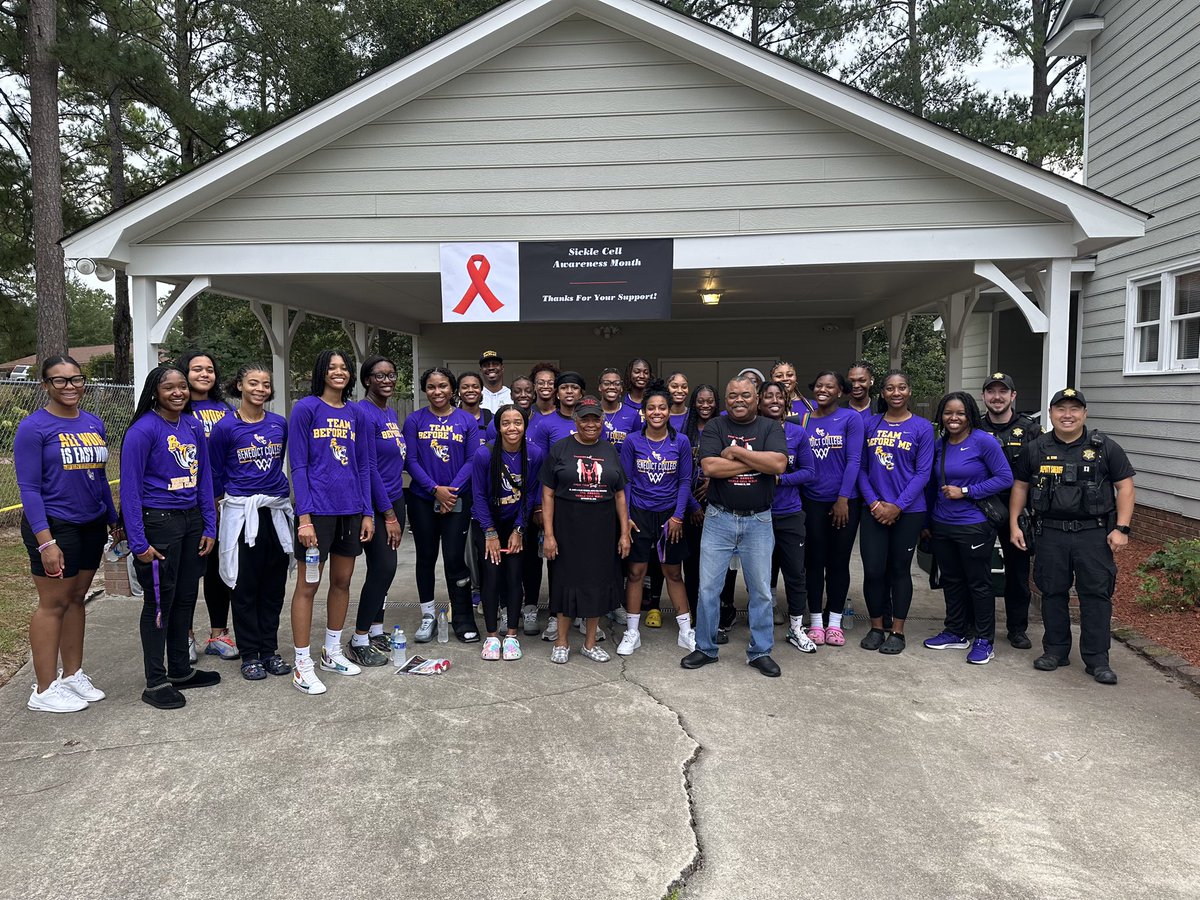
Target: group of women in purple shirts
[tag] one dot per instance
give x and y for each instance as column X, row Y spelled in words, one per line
column 606, row 487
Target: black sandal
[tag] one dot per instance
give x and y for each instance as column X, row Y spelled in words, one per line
column 893, row 645
column 873, row 639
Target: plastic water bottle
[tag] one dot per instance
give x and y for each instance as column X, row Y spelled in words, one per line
column 443, row 628
column 541, row 550
column 848, row 616
column 312, row 565
column 399, row 647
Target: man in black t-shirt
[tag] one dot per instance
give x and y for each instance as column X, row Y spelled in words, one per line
column 1079, row 484
column 742, row 454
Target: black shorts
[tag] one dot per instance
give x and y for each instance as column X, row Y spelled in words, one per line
column 335, row 534
column 645, row 538
column 82, row 545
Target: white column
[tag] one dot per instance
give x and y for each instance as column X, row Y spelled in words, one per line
column 956, row 310
column 897, row 325
column 1056, row 340
column 280, row 333
column 416, row 372
column 143, row 310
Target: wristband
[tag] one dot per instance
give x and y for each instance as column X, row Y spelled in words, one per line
column 875, row 504
column 491, row 534
column 49, row 543
column 302, row 527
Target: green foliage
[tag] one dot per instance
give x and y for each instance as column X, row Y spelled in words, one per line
column 924, row 359
column 1171, row 577
column 100, row 367
column 89, row 315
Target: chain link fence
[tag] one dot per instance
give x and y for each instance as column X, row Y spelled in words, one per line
column 113, row 403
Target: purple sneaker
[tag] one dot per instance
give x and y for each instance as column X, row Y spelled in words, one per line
column 981, row 652
column 947, row 641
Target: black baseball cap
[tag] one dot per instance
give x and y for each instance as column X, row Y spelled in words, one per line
column 490, row 356
column 1069, row 394
column 588, row 406
column 1001, row 377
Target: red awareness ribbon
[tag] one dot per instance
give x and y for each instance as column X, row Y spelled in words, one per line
column 478, row 268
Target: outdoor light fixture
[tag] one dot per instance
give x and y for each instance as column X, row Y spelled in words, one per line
column 85, row 266
column 105, row 273
column 710, row 296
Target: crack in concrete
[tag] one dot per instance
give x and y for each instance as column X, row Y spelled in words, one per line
column 680, row 883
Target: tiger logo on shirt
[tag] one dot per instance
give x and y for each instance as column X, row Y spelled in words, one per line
column 183, row 454
column 339, row 452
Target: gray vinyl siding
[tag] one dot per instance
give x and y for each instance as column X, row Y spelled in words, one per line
column 1144, row 149
column 583, row 131
column 977, row 350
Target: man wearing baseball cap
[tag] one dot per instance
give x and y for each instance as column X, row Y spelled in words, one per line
column 495, row 392
column 1014, row 431
column 1079, row 484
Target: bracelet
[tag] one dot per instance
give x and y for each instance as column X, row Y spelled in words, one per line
column 302, row 527
column 875, row 504
column 491, row 534
column 49, row 543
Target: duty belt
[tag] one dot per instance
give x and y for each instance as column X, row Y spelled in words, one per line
column 1073, row 525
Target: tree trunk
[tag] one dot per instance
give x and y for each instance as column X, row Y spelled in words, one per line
column 189, row 317
column 1040, row 91
column 122, row 323
column 46, row 169
column 916, row 80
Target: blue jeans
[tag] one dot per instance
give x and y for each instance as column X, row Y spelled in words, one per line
column 753, row 539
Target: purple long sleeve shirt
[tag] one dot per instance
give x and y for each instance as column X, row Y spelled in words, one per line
column 897, row 462
column 331, row 453
column 659, row 473
column 60, row 467
column 549, row 430
column 977, row 463
column 837, row 446
column 620, row 424
column 387, row 478
column 164, row 466
column 516, row 500
column 801, row 470
column 247, row 457
column 440, row 449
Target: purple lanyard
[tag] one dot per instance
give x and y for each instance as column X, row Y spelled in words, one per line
column 158, row 622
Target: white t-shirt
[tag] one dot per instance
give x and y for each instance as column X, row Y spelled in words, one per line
column 492, row 402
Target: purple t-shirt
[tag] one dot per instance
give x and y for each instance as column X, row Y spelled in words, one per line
column 440, row 450
column 60, row 467
column 837, row 446
column 387, row 479
column 659, row 472
column 247, row 457
column 977, row 463
column 800, row 471
column 164, row 466
column 897, row 462
column 635, row 408
column 619, row 425
column 678, row 420
column 332, row 455
column 209, row 412
column 516, row 499
column 549, row 430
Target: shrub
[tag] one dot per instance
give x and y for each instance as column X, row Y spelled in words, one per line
column 1171, row 577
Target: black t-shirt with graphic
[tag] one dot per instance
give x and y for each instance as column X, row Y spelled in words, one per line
column 587, row 473
column 753, row 490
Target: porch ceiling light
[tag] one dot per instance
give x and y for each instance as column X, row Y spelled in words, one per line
column 710, row 296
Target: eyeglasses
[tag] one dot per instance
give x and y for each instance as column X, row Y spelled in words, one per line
column 61, row 381
column 384, row 376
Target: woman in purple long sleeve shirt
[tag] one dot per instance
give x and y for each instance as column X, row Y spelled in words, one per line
column 968, row 465
column 896, row 464
column 60, row 452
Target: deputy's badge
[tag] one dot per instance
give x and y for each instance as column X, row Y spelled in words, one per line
column 1089, row 454
column 1069, row 392
column 1017, row 432
column 998, row 376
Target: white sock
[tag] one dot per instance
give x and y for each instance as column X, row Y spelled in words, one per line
column 631, row 622
column 835, row 620
column 301, row 653
column 360, row 640
column 684, row 621
column 375, row 630
column 333, row 640
column 427, row 609
column 797, row 622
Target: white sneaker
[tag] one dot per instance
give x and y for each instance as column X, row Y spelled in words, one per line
column 192, row 654
column 630, row 641
column 304, row 677
column 687, row 638
column 81, row 686
column 581, row 624
column 620, row 616
column 57, row 699
column 337, row 662
column 551, row 632
column 529, row 619
column 502, row 620
column 799, row 639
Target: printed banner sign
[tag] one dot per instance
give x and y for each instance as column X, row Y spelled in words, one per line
column 480, row 282
column 600, row 281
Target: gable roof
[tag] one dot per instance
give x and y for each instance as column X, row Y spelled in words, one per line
column 1099, row 220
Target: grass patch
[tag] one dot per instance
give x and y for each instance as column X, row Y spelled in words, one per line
column 17, row 601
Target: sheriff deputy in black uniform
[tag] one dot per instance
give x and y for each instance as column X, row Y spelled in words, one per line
column 1014, row 431
column 1079, row 485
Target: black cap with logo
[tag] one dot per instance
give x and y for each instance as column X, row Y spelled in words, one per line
column 1068, row 394
column 1000, row 378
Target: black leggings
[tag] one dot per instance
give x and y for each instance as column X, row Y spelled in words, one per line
column 432, row 531
column 827, row 556
column 498, row 584
column 381, row 571
column 257, row 598
column 216, row 593
column 691, row 565
column 964, row 557
column 788, row 558
column 887, row 552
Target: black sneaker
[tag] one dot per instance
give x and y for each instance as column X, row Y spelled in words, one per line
column 722, row 635
column 367, row 655
column 198, row 678
column 382, row 643
column 1020, row 641
column 165, row 696
column 275, row 665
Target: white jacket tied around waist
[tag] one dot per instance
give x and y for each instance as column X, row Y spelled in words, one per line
column 241, row 513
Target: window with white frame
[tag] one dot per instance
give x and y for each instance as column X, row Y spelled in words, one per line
column 1163, row 322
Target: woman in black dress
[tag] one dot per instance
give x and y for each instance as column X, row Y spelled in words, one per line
column 586, row 528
